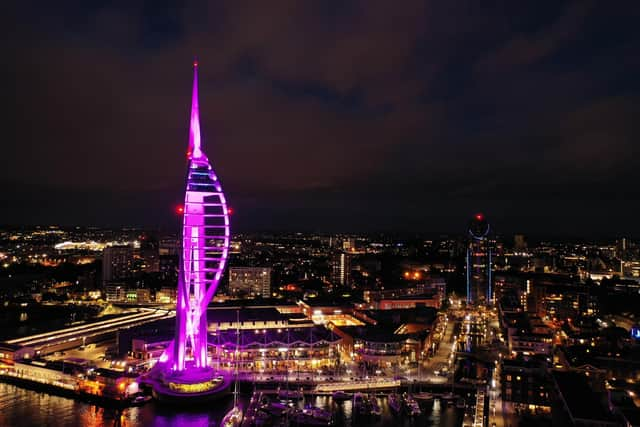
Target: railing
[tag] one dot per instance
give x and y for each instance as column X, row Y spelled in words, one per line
column 357, row 386
column 478, row 419
column 47, row 381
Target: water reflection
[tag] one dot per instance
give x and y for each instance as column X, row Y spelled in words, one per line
column 21, row 407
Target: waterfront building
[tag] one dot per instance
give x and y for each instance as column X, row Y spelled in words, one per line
column 108, row 383
column 11, row 352
column 51, row 373
column 269, row 340
column 378, row 346
column 277, row 350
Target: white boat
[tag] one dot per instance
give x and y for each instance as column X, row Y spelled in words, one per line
column 233, row 418
column 140, row 400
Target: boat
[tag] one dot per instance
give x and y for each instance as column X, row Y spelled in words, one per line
column 411, row 406
column 395, row 403
column 261, row 418
column 448, row 396
column 318, row 413
column 233, row 418
column 276, row 409
column 341, row 396
column 375, row 409
column 254, row 415
column 286, row 394
column 360, row 404
column 140, row 400
column 307, row 418
column 423, row 397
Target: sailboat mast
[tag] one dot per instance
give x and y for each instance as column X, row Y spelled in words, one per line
column 235, row 387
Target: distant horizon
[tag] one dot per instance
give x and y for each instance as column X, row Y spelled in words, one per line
column 406, row 234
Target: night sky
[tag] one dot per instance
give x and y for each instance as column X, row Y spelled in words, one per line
column 326, row 115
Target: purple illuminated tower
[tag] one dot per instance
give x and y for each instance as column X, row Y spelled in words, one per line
column 205, row 247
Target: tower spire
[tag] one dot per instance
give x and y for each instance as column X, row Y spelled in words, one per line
column 195, row 150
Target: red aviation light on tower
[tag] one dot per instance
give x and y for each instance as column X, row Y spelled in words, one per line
column 479, row 216
column 180, row 210
column 230, row 210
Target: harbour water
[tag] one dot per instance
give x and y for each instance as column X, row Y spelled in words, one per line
column 25, row 408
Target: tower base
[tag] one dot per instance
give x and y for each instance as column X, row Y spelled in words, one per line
column 193, row 385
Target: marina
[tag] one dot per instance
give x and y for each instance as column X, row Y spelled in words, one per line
column 18, row 407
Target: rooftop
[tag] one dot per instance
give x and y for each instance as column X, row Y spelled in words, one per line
column 581, row 400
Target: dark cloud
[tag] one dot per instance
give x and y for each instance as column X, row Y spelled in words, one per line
column 326, row 114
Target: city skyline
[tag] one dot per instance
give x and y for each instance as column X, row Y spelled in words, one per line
column 524, row 113
column 428, row 216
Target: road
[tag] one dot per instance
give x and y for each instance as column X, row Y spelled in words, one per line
column 443, row 356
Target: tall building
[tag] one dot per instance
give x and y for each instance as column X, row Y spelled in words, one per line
column 169, row 246
column 150, row 262
column 252, row 281
column 341, row 269
column 349, row 244
column 519, row 243
column 183, row 369
column 117, row 263
column 479, row 263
